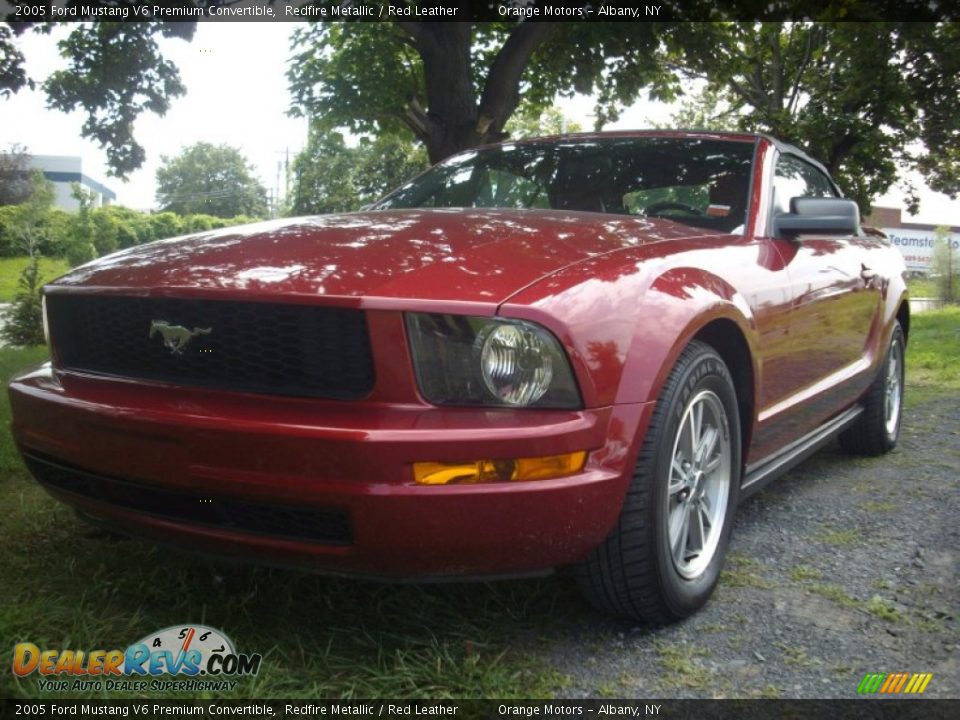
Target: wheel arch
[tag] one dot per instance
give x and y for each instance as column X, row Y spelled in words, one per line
column 729, row 342
column 688, row 304
column 903, row 317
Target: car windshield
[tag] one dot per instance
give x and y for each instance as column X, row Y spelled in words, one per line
column 697, row 181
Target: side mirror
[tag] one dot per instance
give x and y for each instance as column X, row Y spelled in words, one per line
column 821, row 216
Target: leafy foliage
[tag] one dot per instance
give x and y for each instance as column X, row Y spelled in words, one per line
column 329, row 176
column 115, row 73
column 945, row 266
column 12, row 75
column 701, row 109
column 23, row 323
column 549, row 122
column 455, row 85
column 859, row 96
column 863, row 95
column 28, row 221
column 109, row 228
column 210, row 179
column 79, row 247
column 15, row 182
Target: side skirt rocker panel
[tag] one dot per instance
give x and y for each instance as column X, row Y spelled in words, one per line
column 758, row 474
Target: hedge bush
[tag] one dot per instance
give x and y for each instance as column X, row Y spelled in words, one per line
column 106, row 229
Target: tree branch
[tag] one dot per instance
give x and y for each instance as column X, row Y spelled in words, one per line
column 416, row 119
column 745, row 95
column 501, row 92
column 839, row 150
column 801, row 69
column 778, row 71
column 414, row 125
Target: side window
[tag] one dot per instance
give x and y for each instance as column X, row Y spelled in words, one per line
column 796, row 178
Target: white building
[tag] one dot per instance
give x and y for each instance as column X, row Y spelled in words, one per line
column 63, row 171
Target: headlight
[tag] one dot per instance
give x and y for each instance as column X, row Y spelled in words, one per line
column 461, row 360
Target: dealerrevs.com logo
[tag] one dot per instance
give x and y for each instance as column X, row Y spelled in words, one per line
column 204, row 655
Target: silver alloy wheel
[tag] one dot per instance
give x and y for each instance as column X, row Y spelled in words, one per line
column 699, row 484
column 894, row 389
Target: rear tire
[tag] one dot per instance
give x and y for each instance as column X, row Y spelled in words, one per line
column 662, row 560
column 876, row 431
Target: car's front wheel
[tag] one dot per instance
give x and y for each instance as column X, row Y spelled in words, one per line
column 663, row 559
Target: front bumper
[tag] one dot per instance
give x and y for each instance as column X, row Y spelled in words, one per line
column 167, row 448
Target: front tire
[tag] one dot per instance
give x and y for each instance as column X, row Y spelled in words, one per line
column 662, row 560
column 877, row 429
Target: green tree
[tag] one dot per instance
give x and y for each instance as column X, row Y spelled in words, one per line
column 945, row 265
column 384, row 163
column 323, row 176
column 79, row 247
column 165, row 225
column 52, row 231
column 210, row 179
column 15, row 184
column 106, row 232
column 115, row 72
column 702, row 109
column 452, row 85
column 329, row 176
column 455, row 85
column 130, row 226
column 30, row 224
column 865, row 98
column 549, row 121
column 13, row 76
column 23, row 322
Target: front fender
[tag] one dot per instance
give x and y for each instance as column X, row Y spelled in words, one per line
column 677, row 306
column 625, row 318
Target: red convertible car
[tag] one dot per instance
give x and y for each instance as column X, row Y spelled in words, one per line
column 575, row 351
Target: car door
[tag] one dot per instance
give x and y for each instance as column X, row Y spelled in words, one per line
column 835, row 299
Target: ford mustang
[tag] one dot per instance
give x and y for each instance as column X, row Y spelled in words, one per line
column 577, row 351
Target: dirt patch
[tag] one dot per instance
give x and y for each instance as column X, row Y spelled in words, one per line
column 845, row 566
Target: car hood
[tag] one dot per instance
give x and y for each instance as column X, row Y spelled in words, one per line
column 461, row 255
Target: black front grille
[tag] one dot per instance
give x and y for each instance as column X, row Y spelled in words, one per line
column 330, row 527
column 275, row 348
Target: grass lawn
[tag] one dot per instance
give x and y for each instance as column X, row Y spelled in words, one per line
column 933, row 352
column 10, row 269
column 69, row 586
column 922, row 287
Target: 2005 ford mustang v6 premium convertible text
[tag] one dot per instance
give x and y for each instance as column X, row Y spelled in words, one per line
column 576, row 351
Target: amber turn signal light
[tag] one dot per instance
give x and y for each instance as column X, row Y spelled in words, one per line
column 484, row 471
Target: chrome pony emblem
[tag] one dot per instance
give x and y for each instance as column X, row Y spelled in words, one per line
column 175, row 337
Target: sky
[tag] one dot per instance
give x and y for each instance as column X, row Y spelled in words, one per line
column 237, row 94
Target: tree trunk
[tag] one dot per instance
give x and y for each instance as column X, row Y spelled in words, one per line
column 454, row 120
column 451, row 99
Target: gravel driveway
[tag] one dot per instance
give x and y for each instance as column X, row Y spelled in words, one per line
column 845, row 566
